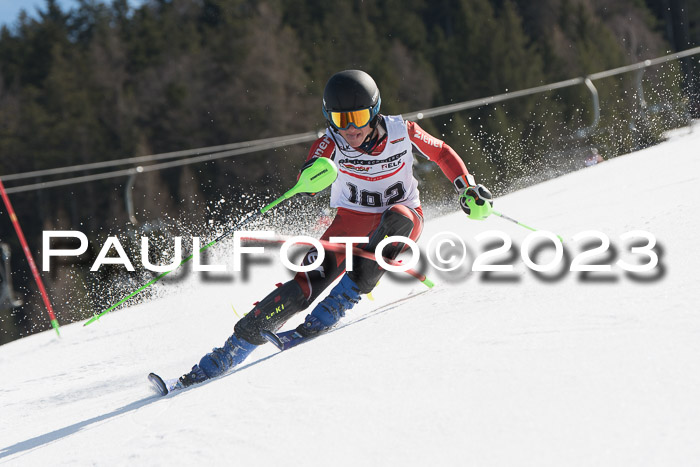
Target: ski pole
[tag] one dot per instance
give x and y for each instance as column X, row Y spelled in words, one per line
column 162, row 275
column 503, row 216
column 316, row 178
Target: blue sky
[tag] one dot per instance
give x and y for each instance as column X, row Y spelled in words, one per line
column 9, row 9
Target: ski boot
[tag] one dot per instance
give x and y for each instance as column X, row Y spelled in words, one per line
column 196, row 375
column 342, row 297
column 218, row 361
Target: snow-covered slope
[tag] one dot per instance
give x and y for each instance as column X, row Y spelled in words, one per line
column 501, row 369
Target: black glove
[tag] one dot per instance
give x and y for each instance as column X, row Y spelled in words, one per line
column 475, row 199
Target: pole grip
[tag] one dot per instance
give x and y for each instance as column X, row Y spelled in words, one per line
column 287, row 195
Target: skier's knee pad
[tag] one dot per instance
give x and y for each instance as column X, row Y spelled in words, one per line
column 271, row 312
column 397, row 220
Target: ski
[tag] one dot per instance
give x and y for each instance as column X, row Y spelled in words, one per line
column 285, row 340
column 163, row 387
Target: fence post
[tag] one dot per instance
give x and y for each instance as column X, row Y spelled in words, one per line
column 584, row 132
column 129, row 198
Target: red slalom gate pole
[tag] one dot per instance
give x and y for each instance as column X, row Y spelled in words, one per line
column 355, row 251
column 30, row 259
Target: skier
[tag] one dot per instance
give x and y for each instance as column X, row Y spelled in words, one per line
column 375, row 195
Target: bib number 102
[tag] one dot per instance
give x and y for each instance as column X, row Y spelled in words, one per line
column 373, row 199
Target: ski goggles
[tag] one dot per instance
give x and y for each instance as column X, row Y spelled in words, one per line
column 357, row 118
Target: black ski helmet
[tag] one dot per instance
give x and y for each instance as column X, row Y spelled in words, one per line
column 348, row 91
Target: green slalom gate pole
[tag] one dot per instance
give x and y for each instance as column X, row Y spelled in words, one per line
column 319, row 176
column 503, row 216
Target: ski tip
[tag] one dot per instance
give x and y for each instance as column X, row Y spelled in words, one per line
column 158, row 384
column 272, row 338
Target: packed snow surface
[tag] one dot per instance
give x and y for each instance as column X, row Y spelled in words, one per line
column 504, row 368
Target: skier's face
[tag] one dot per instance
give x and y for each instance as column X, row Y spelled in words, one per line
column 356, row 136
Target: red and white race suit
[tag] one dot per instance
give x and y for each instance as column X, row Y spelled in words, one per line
column 369, row 184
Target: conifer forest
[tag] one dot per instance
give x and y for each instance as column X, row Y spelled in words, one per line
column 106, row 80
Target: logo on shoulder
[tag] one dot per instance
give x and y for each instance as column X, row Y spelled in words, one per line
column 322, row 146
column 397, row 140
column 428, row 139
